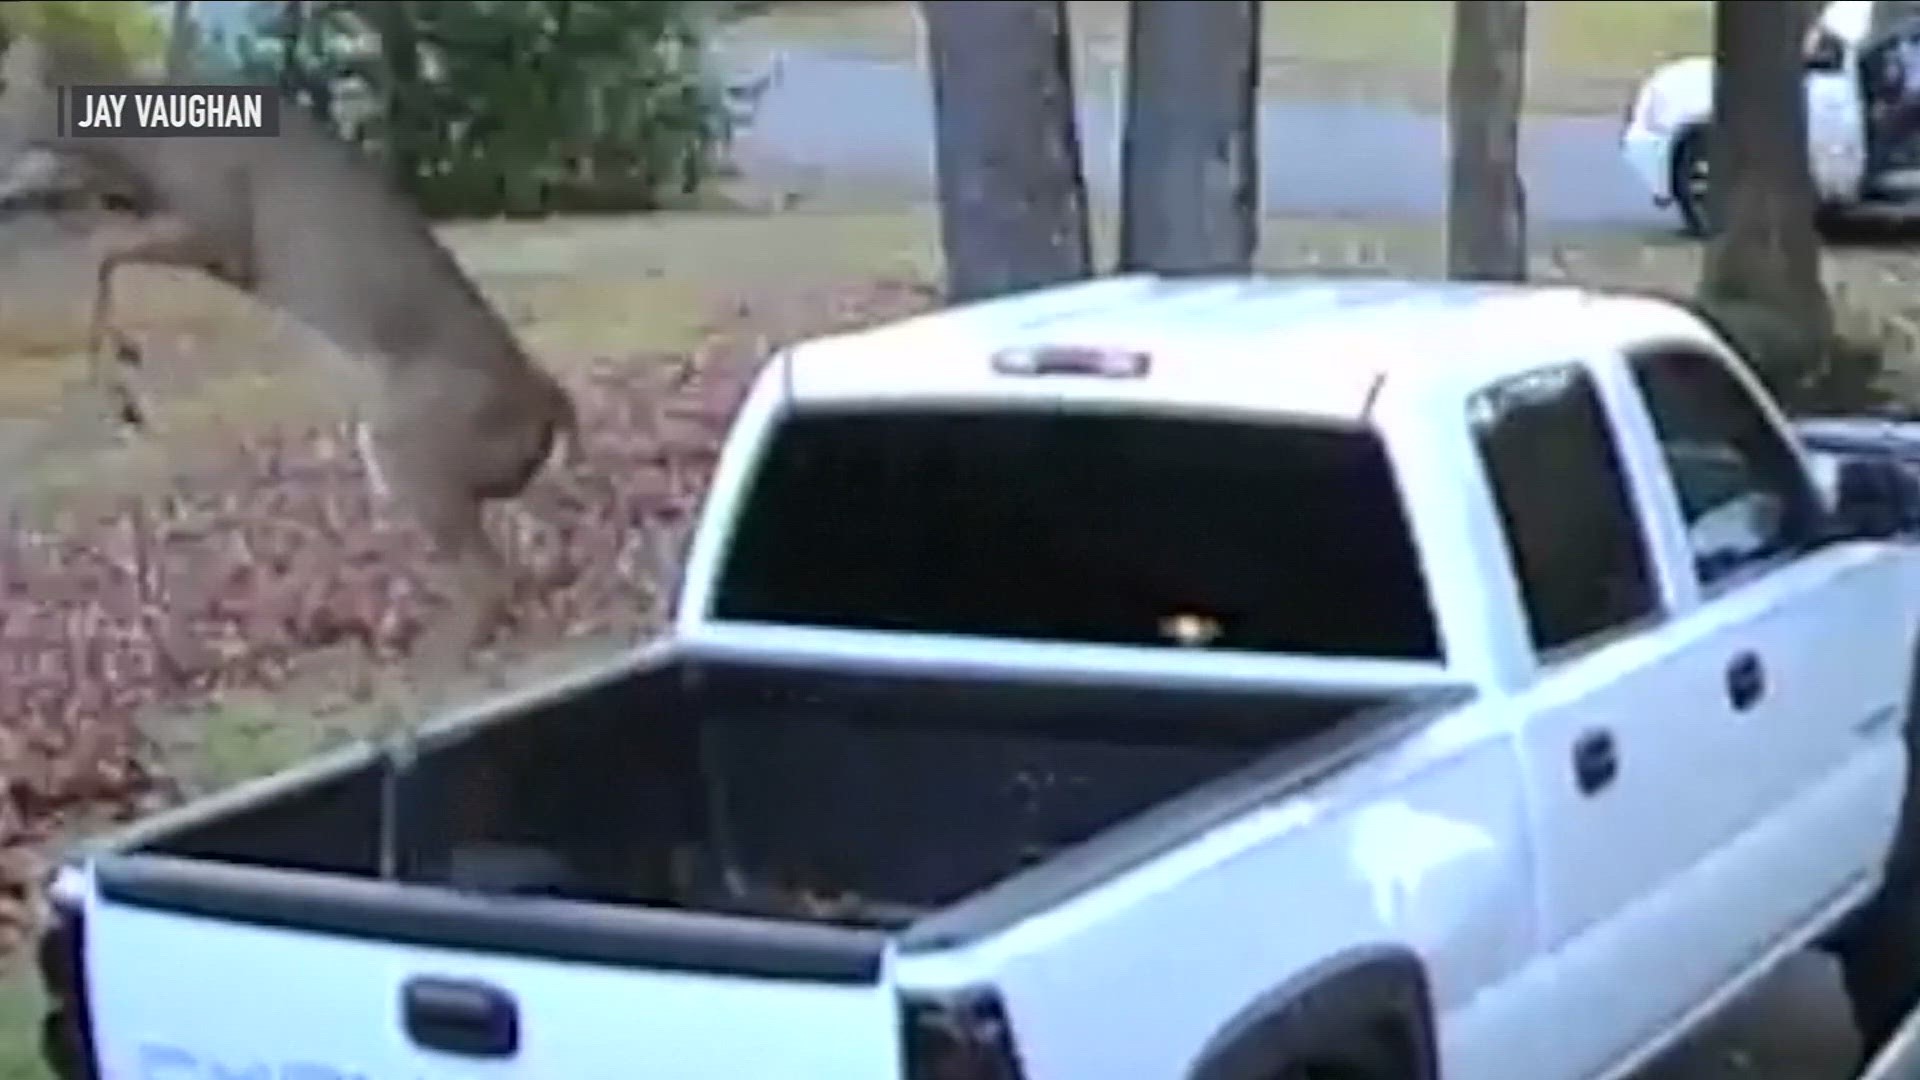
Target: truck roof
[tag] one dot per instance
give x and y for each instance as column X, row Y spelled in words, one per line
column 1315, row 348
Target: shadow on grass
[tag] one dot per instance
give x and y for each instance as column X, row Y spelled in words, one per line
column 20, row 1008
column 1863, row 235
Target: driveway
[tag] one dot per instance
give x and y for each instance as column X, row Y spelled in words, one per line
column 1794, row 1027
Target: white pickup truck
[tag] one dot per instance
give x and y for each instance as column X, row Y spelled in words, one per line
column 1214, row 679
column 1864, row 163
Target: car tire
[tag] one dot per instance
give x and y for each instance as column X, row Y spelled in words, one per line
column 1367, row 1017
column 63, row 1049
column 1362, row 1048
column 1879, row 949
column 1367, row 1065
column 1688, row 180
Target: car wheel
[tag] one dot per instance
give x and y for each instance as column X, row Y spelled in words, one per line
column 1369, row 1066
column 1690, row 182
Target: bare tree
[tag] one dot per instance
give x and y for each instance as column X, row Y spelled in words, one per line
column 1013, row 203
column 1762, row 268
column 1190, row 169
column 180, row 40
column 292, row 31
column 400, row 53
column 1486, row 83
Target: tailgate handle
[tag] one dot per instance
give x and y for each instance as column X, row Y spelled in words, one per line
column 453, row 1016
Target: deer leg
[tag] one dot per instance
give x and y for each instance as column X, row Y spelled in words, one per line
column 480, row 597
column 108, row 381
column 485, row 587
column 403, row 472
column 370, row 462
column 478, row 580
column 159, row 240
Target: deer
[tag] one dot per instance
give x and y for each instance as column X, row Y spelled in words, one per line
column 461, row 416
column 304, row 223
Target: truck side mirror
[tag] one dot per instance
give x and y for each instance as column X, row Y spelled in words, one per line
column 1825, row 53
column 1874, row 498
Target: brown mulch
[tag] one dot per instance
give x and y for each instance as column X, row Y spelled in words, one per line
column 241, row 572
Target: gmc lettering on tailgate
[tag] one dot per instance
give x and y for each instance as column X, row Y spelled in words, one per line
column 161, row 1062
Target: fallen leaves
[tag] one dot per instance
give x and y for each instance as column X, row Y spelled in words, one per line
column 241, row 574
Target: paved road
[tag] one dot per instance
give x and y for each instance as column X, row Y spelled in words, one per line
column 867, row 124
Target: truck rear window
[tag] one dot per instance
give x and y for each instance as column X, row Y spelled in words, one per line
column 1094, row 527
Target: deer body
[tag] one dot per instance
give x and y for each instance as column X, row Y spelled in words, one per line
column 308, row 226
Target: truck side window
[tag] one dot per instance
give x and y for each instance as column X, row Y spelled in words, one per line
column 1744, row 495
column 1562, row 496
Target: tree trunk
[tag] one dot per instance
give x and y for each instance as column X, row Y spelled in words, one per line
column 1013, row 203
column 400, row 56
column 180, row 41
column 1486, row 200
column 1190, row 167
column 291, row 29
column 1762, row 268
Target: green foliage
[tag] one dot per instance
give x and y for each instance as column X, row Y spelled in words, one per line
column 509, row 106
column 313, row 51
column 130, row 33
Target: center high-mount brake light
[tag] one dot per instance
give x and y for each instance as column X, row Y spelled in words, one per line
column 1072, row 360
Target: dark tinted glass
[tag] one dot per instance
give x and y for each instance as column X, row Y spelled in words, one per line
column 1090, row 527
column 1563, row 499
column 1744, row 495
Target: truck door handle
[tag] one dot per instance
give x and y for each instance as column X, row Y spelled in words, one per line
column 453, row 1016
column 1595, row 761
column 1746, row 681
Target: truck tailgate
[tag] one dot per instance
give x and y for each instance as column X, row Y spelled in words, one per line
column 181, row 990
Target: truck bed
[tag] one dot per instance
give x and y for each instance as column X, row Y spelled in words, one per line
column 797, row 793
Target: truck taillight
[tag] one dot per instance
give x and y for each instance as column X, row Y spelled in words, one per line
column 66, row 1034
column 960, row 1038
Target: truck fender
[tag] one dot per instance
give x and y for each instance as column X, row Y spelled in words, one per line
column 1680, row 91
column 1899, row 868
column 1367, row 1008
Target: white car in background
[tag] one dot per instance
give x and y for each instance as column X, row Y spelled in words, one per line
column 1857, row 169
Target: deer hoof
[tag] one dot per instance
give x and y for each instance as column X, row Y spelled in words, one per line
column 128, row 354
column 132, row 415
